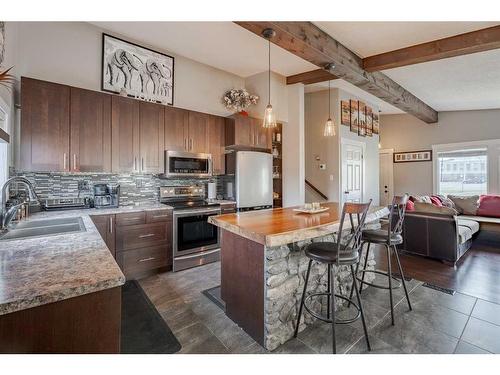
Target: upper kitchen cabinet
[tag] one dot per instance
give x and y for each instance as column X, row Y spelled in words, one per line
column 45, row 126
column 186, row 130
column 197, row 135
column 176, row 129
column 216, row 143
column 151, row 137
column 90, row 141
column 125, row 135
column 247, row 132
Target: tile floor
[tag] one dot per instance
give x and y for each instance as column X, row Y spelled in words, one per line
column 439, row 322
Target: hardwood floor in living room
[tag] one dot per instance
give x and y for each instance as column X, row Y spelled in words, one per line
column 476, row 274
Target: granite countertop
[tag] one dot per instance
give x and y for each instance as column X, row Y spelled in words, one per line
column 280, row 226
column 42, row 270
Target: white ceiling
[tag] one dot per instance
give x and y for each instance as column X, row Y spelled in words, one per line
column 459, row 83
column 223, row 45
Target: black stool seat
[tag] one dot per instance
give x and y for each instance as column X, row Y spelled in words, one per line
column 380, row 236
column 326, row 252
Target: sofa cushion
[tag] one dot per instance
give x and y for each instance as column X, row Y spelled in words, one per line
column 489, row 205
column 464, row 234
column 471, row 224
column 436, row 201
column 410, row 206
column 447, row 202
column 432, row 209
column 466, row 205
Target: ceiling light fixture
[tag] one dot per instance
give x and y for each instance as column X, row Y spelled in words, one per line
column 329, row 125
column 269, row 116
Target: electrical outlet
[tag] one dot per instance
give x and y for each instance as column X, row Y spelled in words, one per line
column 322, row 167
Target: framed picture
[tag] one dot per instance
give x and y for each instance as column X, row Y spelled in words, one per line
column 369, row 122
column 362, row 119
column 412, row 156
column 345, row 113
column 139, row 72
column 354, row 115
column 375, row 123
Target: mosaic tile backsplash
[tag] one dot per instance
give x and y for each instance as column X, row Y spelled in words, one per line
column 134, row 188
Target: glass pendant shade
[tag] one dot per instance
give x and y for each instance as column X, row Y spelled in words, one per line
column 329, row 128
column 269, row 118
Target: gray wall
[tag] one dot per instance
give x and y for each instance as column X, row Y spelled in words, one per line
column 407, row 133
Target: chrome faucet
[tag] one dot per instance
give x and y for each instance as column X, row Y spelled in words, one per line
column 7, row 215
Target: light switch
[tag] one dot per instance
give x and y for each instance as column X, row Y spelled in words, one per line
column 331, row 177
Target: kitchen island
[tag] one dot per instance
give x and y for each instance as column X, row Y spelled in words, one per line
column 263, row 266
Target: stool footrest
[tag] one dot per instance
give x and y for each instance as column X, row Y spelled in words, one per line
column 397, row 286
column 323, row 318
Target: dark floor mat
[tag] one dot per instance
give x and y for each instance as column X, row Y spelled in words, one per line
column 143, row 329
column 213, row 294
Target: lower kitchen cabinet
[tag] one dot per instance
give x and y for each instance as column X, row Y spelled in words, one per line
column 144, row 242
column 105, row 225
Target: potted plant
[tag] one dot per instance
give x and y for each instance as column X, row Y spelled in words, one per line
column 239, row 100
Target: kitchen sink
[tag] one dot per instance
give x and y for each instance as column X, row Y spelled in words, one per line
column 42, row 228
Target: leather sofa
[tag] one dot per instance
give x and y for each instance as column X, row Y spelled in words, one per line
column 439, row 236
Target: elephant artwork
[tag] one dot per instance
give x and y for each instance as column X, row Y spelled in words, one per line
column 137, row 71
column 124, row 62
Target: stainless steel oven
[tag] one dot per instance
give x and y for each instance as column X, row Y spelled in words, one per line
column 187, row 164
column 195, row 240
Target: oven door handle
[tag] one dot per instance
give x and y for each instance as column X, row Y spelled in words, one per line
column 195, row 212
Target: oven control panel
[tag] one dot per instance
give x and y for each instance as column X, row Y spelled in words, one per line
column 182, row 191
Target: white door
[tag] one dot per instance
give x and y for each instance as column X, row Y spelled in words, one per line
column 352, row 173
column 386, row 179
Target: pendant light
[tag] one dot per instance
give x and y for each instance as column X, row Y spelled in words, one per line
column 329, row 125
column 269, row 117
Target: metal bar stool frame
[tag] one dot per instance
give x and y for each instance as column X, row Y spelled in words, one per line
column 349, row 244
column 396, row 214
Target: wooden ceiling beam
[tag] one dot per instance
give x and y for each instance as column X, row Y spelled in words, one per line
column 313, row 76
column 310, row 43
column 458, row 45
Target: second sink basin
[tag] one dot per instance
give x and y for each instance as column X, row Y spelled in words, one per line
column 42, row 228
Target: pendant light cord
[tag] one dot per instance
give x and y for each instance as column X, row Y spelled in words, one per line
column 269, row 71
column 329, row 100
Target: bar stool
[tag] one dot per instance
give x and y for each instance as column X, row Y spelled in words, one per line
column 344, row 252
column 390, row 238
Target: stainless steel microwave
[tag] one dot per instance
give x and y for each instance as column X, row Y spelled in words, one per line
column 187, row 164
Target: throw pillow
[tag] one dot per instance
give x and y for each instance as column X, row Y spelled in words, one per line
column 432, row 209
column 410, row 206
column 447, row 202
column 436, row 202
column 489, row 205
column 465, row 205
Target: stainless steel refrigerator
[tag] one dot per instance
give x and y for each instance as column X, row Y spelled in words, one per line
column 253, row 180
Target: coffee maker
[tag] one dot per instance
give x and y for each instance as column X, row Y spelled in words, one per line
column 106, row 196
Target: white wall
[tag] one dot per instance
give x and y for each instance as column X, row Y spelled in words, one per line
column 258, row 84
column 293, row 148
column 407, row 133
column 71, row 53
column 327, row 149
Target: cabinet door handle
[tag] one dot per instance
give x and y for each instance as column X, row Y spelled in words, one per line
column 146, row 259
column 111, row 224
column 146, row 235
column 190, row 144
column 132, row 218
column 74, row 162
column 159, row 216
column 142, row 164
column 135, row 163
column 64, row 161
column 185, row 144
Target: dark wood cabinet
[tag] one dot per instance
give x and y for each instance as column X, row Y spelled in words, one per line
column 144, row 242
column 176, row 129
column 216, row 143
column 247, row 132
column 105, row 225
column 44, row 126
column 197, row 134
column 151, row 137
column 90, row 141
column 125, row 134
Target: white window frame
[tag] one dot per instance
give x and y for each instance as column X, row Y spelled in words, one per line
column 492, row 164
